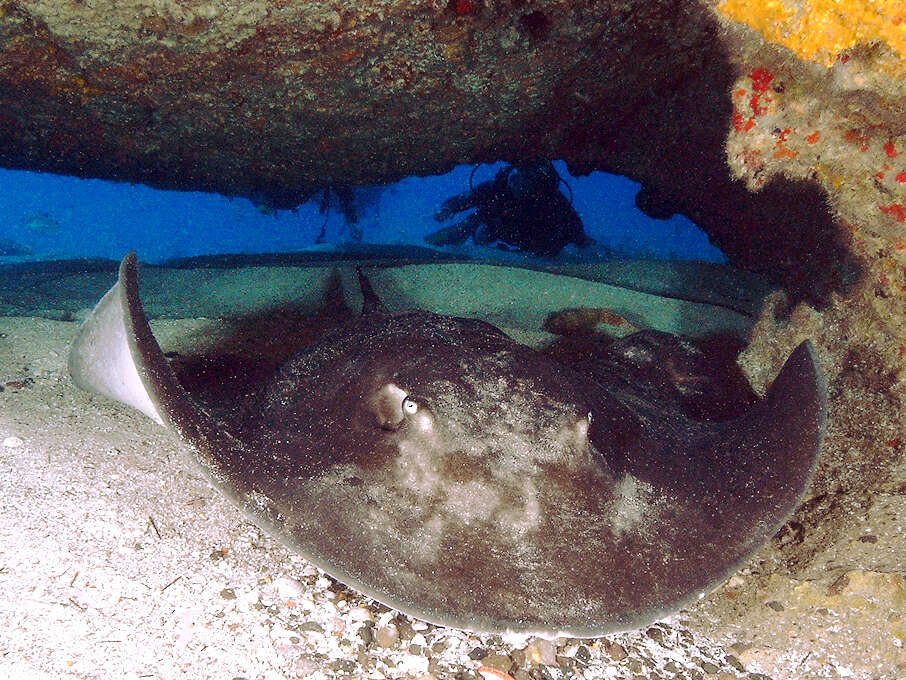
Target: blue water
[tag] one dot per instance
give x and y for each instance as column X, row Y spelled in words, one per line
column 57, row 217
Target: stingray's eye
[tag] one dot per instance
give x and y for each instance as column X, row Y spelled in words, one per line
column 588, row 417
column 410, row 406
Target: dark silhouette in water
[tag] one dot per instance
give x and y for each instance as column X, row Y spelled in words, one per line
column 348, row 200
column 342, row 197
column 522, row 207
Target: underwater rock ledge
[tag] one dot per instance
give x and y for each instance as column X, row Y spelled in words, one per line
column 271, row 100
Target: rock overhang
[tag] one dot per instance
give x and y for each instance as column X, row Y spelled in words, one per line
column 275, row 100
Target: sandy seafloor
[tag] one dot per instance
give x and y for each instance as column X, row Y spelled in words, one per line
column 118, row 560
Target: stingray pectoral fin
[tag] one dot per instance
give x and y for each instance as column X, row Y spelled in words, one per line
column 782, row 435
column 760, row 466
column 725, row 489
column 103, row 357
column 116, row 355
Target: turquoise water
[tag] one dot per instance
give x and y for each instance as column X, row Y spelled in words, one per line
column 55, row 217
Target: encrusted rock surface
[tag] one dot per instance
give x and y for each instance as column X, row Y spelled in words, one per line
column 272, row 99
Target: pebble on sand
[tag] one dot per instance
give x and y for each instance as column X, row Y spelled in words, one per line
column 386, row 635
column 538, row 651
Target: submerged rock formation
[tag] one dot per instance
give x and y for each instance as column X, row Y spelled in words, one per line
column 272, row 100
column 780, row 128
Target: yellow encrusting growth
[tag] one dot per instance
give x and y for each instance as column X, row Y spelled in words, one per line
column 819, row 30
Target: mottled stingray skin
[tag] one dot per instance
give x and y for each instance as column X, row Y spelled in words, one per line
column 438, row 466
